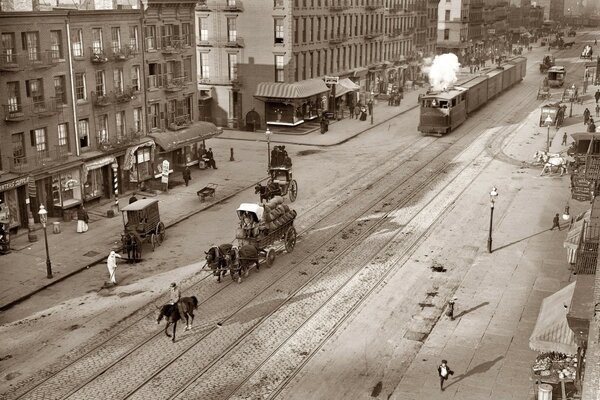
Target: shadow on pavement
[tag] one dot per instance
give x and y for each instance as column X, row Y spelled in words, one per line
column 520, row 240
column 465, row 312
column 479, row 369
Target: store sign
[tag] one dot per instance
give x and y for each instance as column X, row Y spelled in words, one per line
column 331, row 80
column 13, row 184
column 165, row 172
column 492, row 31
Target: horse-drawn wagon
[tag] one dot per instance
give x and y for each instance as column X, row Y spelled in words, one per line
column 141, row 222
column 543, row 92
column 556, row 76
column 280, row 183
column 547, row 61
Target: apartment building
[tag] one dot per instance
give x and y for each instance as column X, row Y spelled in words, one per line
column 453, row 27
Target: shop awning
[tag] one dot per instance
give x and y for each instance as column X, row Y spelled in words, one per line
column 572, row 240
column 196, row 132
column 95, row 164
column 581, row 310
column 129, row 158
column 345, row 86
column 294, row 90
column 551, row 331
column 585, row 136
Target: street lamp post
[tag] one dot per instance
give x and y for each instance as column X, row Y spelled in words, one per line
column 493, row 195
column 372, row 106
column 43, row 219
column 268, row 136
column 548, row 122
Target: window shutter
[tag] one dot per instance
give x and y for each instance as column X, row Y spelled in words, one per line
column 32, row 137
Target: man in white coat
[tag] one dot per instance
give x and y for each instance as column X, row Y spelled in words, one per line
column 111, row 263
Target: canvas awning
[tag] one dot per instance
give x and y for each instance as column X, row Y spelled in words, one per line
column 572, row 240
column 129, row 158
column 196, row 132
column 295, row 90
column 581, row 310
column 551, row 331
column 95, row 164
column 345, row 86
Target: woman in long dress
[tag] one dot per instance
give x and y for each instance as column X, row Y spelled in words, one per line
column 82, row 220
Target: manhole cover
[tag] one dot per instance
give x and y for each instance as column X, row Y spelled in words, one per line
column 91, row 253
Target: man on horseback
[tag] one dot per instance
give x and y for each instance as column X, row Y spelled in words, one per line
column 175, row 296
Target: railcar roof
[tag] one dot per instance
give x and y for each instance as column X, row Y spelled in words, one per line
column 446, row 94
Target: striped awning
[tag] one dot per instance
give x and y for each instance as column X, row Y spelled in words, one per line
column 551, row 331
column 294, row 90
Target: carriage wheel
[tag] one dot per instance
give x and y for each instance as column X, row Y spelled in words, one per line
column 293, row 190
column 161, row 232
column 270, row 257
column 290, row 239
column 134, row 249
column 153, row 241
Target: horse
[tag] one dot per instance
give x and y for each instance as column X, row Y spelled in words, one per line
column 245, row 257
column 541, row 155
column 219, row 258
column 266, row 193
column 550, row 162
column 130, row 246
column 171, row 314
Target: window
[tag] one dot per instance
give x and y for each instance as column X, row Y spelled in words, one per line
column 63, row 136
column 232, row 58
column 97, row 47
column 80, row 87
column 231, row 30
column 115, row 38
column 167, row 35
column 83, row 126
column 446, row 34
column 447, row 17
column 204, row 67
column 8, row 48
column 295, row 30
column 118, row 80
column 186, row 34
column 100, row 84
column 60, row 92
column 14, row 97
column 31, row 45
column 102, row 128
column 77, row 42
column 153, row 115
column 278, row 30
column 303, row 30
column 150, row 35
column 35, row 90
column 279, row 69
column 18, row 148
column 56, row 49
column 203, row 29
column 137, row 120
column 154, row 75
column 133, row 38
column 120, row 124
column 135, row 78
column 187, row 69
column 39, row 140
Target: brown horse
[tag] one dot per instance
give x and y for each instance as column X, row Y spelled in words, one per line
column 171, row 314
column 219, row 259
column 246, row 257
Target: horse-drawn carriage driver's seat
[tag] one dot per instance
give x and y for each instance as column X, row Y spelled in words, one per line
column 280, row 178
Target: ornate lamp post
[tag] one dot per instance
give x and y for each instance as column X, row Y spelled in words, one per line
column 43, row 219
column 566, row 216
column 372, row 106
column 268, row 136
column 493, row 195
column 548, row 122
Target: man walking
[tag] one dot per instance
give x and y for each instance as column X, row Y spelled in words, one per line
column 555, row 222
column 564, row 141
column 444, row 372
column 187, row 175
column 597, row 95
column 586, row 116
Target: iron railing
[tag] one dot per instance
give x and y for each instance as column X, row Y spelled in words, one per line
column 587, row 250
column 10, row 61
column 37, row 161
column 40, row 108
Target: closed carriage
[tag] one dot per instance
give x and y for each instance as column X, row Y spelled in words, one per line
column 142, row 224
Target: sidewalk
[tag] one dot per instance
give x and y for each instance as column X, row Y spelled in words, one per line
column 24, row 269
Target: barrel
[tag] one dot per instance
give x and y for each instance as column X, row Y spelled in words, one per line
column 545, row 392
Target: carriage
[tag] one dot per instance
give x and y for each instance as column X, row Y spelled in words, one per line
column 547, row 62
column 282, row 176
column 265, row 235
column 543, row 92
column 556, row 76
column 141, row 222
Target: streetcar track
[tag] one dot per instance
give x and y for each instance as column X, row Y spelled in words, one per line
column 348, row 198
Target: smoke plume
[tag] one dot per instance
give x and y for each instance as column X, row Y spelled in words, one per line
column 443, row 70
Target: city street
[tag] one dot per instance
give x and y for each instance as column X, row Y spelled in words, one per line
column 391, row 226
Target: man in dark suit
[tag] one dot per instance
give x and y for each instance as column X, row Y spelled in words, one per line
column 211, row 160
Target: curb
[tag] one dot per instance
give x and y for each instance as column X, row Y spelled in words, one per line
column 98, row 260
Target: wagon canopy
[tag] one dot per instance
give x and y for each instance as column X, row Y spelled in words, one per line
column 139, row 205
column 257, row 209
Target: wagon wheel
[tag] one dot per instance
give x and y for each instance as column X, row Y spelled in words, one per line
column 161, row 232
column 293, row 190
column 270, row 257
column 290, row 239
column 134, row 247
column 154, row 241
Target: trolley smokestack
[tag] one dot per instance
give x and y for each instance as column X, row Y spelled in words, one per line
column 442, row 72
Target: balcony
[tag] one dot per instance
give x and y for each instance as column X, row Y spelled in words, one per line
column 11, row 62
column 125, row 95
column 338, row 39
column 123, row 53
column 175, row 44
column 233, row 5
column 238, row 42
column 372, row 35
column 39, row 109
column 98, row 56
column 38, row 161
column 178, row 122
column 119, row 141
column 101, row 100
column 338, row 8
column 175, row 84
column 202, row 5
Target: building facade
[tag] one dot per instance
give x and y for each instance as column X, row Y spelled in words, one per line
column 453, row 27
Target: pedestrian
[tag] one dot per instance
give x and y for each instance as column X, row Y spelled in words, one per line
column 82, row 220
column 555, row 223
column 363, row 113
column 132, row 199
column 586, row 116
column 597, row 95
column 591, row 126
column 597, row 110
column 370, row 106
column 211, row 160
column 357, row 110
column 322, row 123
column 187, row 175
column 444, row 372
column 450, row 309
column 111, row 263
column 564, row 141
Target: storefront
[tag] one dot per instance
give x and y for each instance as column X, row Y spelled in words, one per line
column 346, row 96
column 97, row 178
column 13, row 199
column 291, row 104
column 66, row 189
column 181, row 148
column 136, row 164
